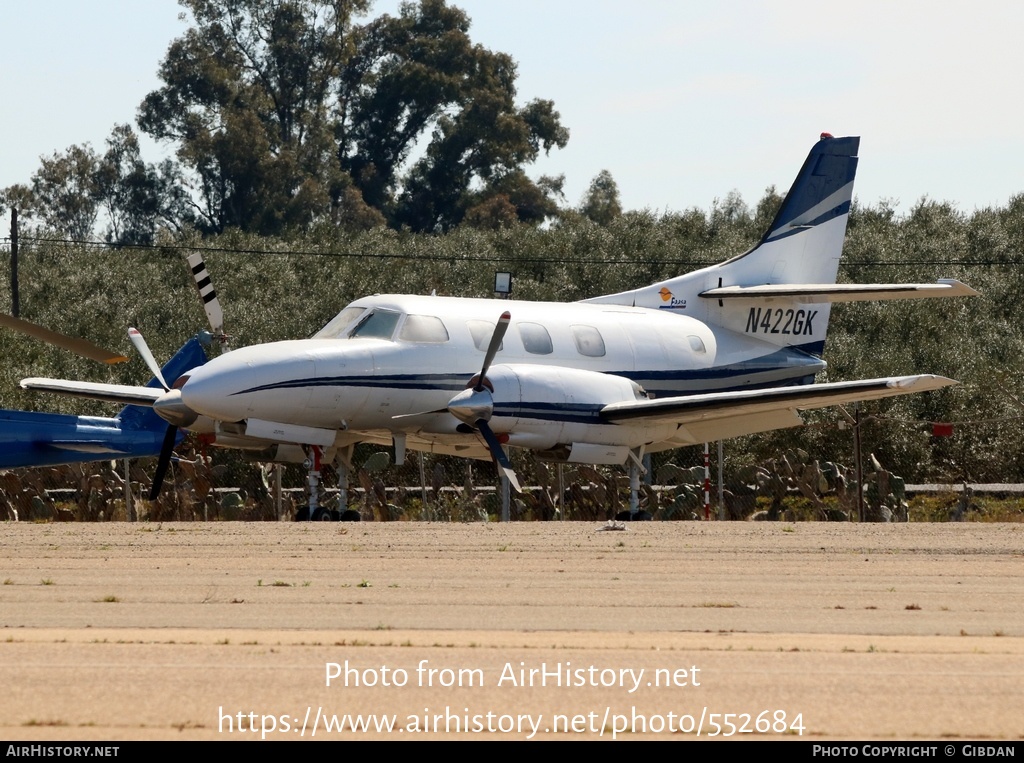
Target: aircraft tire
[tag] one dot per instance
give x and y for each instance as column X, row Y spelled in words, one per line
column 302, row 514
column 351, row 515
column 322, row 515
column 640, row 516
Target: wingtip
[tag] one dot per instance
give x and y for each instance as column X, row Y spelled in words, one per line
column 923, row 382
column 943, row 381
column 959, row 288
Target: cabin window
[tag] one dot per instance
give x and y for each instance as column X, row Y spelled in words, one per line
column 536, row 339
column 697, row 344
column 337, row 325
column 482, row 332
column 377, row 324
column 589, row 341
column 423, row 328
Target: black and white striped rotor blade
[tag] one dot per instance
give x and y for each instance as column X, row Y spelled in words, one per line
column 207, row 293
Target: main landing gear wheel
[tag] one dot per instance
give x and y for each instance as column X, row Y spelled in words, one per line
column 640, row 516
column 320, row 514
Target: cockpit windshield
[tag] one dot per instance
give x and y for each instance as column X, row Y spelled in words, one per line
column 377, row 324
column 380, row 323
column 335, row 329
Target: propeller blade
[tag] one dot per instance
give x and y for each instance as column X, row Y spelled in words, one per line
column 164, row 462
column 78, row 346
column 468, row 405
column 143, row 350
column 499, row 454
column 492, row 349
column 214, row 313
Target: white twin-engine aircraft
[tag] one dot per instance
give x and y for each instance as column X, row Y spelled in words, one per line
column 728, row 350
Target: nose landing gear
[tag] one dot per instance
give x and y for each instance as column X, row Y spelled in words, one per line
column 314, row 511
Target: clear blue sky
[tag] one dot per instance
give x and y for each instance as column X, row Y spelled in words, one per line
column 682, row 102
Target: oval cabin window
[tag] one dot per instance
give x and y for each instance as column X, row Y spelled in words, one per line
column 589, row 341
column 536, row 339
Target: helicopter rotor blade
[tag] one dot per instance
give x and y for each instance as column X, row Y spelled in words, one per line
column 78, row 346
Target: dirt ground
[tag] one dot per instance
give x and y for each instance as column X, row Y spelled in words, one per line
column 677, row 630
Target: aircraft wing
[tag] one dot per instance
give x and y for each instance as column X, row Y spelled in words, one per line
column 845, row 292
column 721, row 415
column 111, row 393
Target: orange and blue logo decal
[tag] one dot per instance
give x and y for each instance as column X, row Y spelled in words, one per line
column 673, row 303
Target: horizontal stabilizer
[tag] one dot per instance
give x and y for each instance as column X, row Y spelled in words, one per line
column 111, row 393
column 767, row 402
column 845, row 292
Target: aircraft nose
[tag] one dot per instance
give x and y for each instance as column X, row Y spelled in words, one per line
column 261, row 381
column 213, row 390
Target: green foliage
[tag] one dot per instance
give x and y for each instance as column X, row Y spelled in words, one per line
column 289, row 112
column 139, row 199
column 952, row 507
column 248, row 95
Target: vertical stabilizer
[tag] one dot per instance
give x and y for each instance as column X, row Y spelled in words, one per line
column 822, row 191
column 802, row 245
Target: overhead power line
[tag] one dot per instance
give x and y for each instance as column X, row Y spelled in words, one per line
column 480, row 258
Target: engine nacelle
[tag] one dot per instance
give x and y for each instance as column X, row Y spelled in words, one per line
column 544, row 407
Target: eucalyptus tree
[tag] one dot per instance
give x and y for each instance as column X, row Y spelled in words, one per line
column 288, row 112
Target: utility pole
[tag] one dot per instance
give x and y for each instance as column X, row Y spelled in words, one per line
column 15, row 306
column 859, row 465
column 721, row 482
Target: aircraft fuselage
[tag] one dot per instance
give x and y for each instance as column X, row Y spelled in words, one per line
column 559, row 364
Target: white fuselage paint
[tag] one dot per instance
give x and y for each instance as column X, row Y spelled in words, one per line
column 542, row 399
